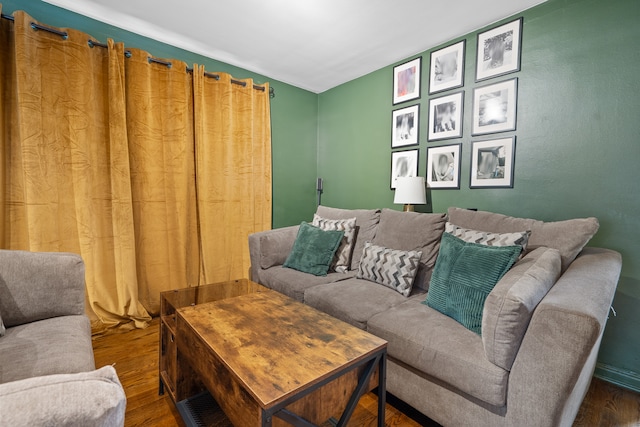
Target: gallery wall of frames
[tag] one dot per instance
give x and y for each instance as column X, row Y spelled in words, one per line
column 494, row 98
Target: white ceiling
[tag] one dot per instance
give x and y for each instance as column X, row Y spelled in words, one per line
column 312, row 44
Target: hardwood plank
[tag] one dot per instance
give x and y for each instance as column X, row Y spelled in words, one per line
column 135, row 354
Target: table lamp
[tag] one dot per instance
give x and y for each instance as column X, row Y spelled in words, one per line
column 410, row 190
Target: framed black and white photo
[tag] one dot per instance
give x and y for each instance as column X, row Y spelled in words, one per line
column 403, row 163
column 443, row 166
column 406, row 81
column 404, row 126
column 492, row 163
column 494, row 107
column 446, row 70
column 498, row 50
column 445, row 116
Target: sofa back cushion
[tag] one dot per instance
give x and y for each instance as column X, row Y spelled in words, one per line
column 510, row 305
column 569, row 236
column 412, row 231
column 366, row 224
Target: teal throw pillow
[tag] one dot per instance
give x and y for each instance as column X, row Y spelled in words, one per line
column 464, row 275
column 313, row 249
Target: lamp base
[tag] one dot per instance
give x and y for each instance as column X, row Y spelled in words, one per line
column 408, row 208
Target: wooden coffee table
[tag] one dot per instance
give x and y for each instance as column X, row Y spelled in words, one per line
column 270, row 360
column 172, row 300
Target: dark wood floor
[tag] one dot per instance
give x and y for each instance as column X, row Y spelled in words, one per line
column 135, row 355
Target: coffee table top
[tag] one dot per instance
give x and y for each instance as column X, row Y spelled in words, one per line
column 276, row 346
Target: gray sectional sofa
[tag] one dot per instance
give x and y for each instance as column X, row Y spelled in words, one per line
column 541, row 324
column 47, row 370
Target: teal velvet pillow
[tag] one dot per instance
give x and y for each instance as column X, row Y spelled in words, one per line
column 464, row 274
column 313, row 249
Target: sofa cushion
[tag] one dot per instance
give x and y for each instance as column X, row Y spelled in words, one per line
column 294, row 283
column 510, row 305
column 464, row 275
column 342, row 258
column 276, row 245
column 313, row 249
column 93, row 398
column 353, row 300
column 412, row 231
column 488, row 238
column 366, row 225
column 389, row 267
column 569, row 236
column 45, row 347
column 441, row 348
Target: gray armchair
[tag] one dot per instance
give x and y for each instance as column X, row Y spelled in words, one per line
column 47, row 369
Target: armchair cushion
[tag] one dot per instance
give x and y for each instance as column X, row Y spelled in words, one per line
column 40, row 285
column 81, row 399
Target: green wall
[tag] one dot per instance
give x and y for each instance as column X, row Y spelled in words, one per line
column 577, row 143
column 294, row 111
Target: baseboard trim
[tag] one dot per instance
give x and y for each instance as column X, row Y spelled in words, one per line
column 620, row 377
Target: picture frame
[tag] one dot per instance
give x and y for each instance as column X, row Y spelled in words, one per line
column 406, row 81
column 445, row 117
column 494, row 107
column 499, row 50
column 492, row 163
column 405, row 126
column 443, row 166
column 403, row 163
column 446, row 69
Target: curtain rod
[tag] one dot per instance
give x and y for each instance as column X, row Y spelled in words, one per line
column 151, row 59
column 127, row 53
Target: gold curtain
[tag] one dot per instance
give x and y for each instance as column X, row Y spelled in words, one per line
column 154, row 176
column 160, row 133
column 66, row 164
column 233, row 147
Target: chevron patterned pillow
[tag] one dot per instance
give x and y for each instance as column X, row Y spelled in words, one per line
column 342, row 258
column 389, row 267
column 489, row 239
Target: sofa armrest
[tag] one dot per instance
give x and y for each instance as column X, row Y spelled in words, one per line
column 270, row 248
column 555, row 362
column 93, row 398
column 40, row 285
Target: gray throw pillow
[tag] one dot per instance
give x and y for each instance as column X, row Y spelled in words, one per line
column 392, row 268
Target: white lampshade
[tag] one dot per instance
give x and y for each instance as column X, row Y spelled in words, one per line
column 410, row 190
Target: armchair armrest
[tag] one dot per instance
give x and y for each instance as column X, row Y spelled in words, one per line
column 269, row 248
column 40, row 285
